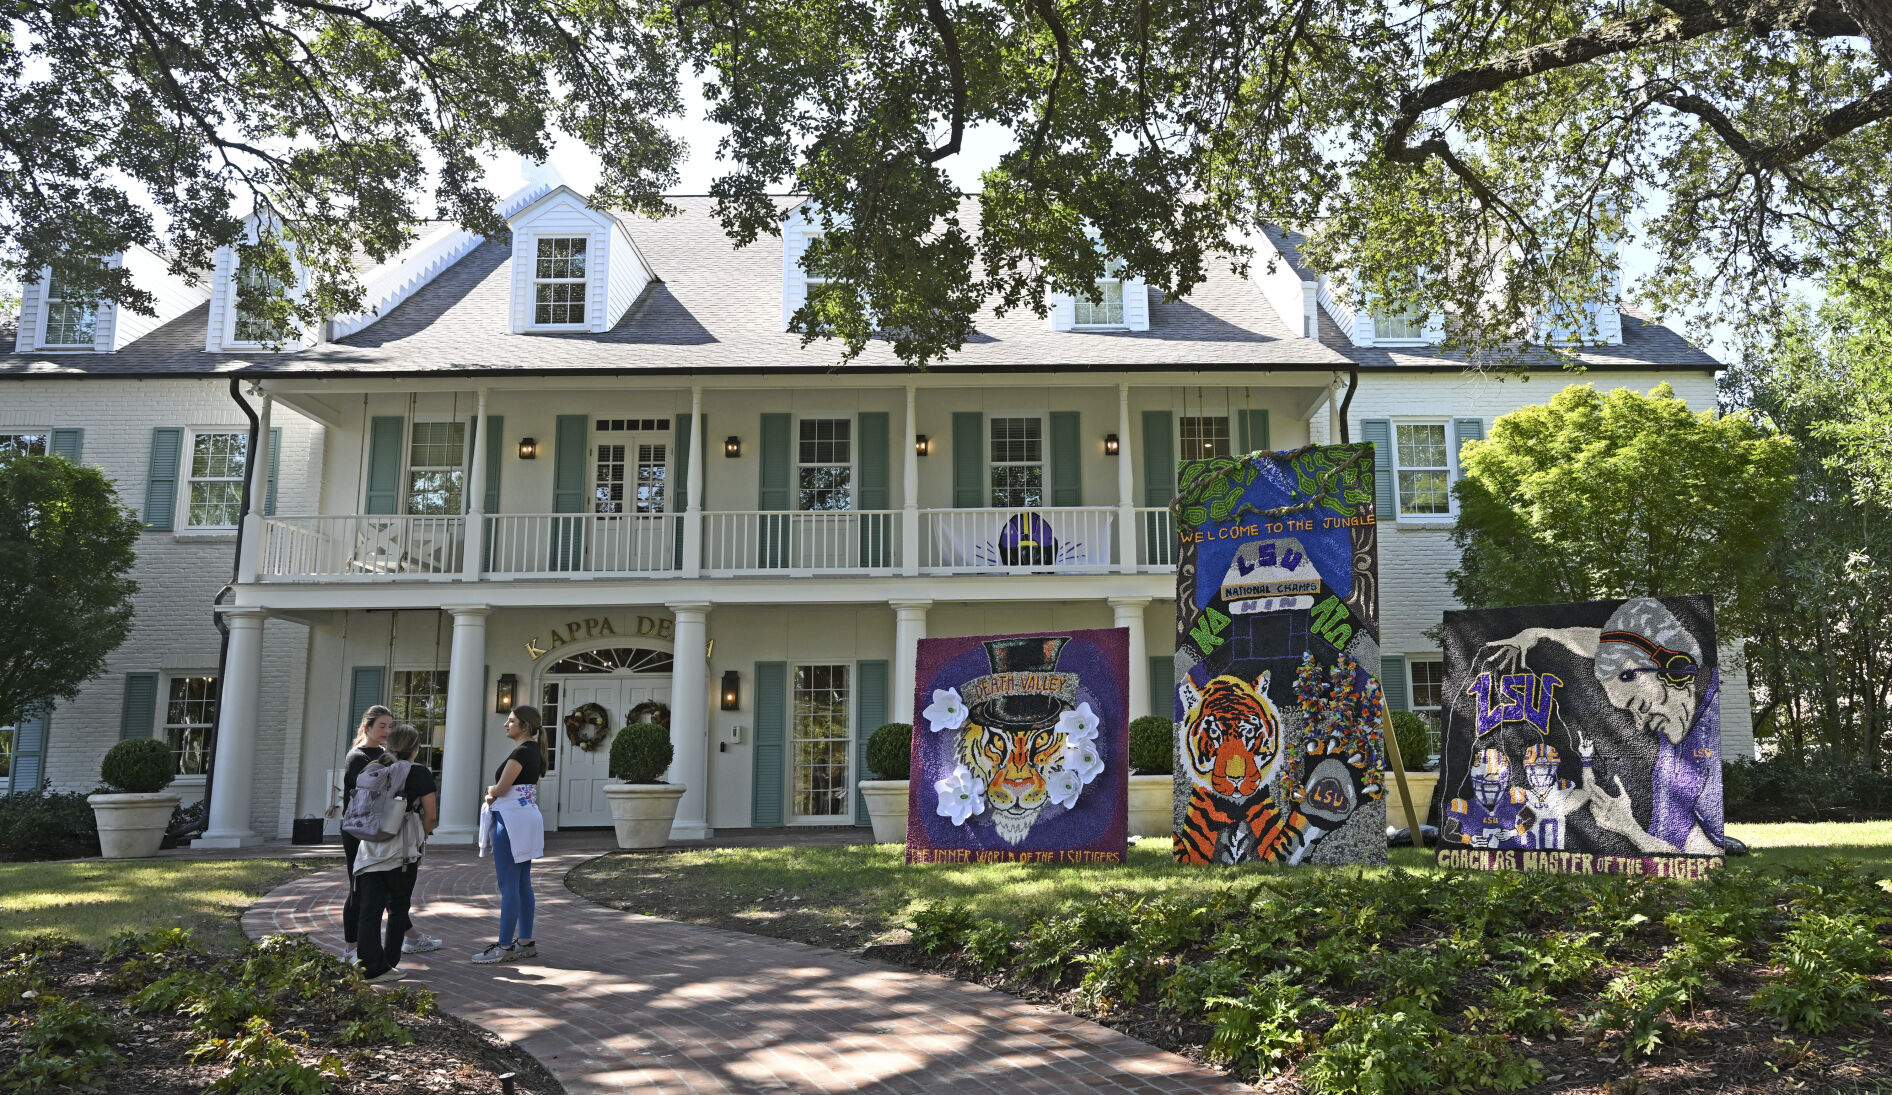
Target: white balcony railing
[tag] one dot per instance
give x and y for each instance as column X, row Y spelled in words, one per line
column 1156, row 543
column 366, row 547
column 777, row 542
column 546, row 545
column 1040, row 540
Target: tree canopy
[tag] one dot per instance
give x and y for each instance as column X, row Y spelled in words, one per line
column 66, row 550
column 1482, row 159
column 1620, row 494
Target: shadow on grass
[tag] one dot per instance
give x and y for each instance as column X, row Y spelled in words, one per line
column 91, row 900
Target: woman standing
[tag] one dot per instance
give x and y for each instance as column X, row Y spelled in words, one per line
column 385, row 870
column 511, row 825
column 371, row 739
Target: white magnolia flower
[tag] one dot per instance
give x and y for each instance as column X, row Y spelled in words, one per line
column 960, row 795
column 1064, row 786
column 947, row 711
column 1079, row 725
column 1082, row 756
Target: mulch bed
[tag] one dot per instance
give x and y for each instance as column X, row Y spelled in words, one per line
column 447, row 1055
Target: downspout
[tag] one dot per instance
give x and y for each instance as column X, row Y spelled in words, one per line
column 1353, row 385
column 223, row 629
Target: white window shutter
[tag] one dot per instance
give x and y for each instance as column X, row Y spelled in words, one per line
column 1136, row 304
column 1063, row 311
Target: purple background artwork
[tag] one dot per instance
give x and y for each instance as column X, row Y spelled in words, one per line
column 1093, row 829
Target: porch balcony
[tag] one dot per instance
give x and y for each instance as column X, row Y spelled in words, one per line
column 1037, row 541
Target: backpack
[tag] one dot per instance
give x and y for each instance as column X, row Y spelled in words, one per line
column 375, row 811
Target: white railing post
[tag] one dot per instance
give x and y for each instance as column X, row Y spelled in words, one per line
column 473, row 537
column 1126, row 505
column 910, row 498
column 693, row 503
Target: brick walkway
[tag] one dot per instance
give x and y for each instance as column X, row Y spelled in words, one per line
column 624, row 1003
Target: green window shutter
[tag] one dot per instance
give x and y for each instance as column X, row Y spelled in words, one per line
column 138, row 716
column 68, row 443
column 969, row 460
column 386, row 435
column 871, row 709
column 1393, row 680
column 1159, row 458
column 1465, row 429
column 771, row 730
column 679, row 499
column 1254, row 431
column 167, row 450
column 275, row 465
column 874, row 489
column 366, row 685
column 1163, row 686
column 773, row 491
column 29, row 751
column 1378, row 432
column 569, row 451
column 1067, row 474
column 495, row 434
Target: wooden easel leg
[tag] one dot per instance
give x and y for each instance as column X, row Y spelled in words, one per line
column 1399, row 775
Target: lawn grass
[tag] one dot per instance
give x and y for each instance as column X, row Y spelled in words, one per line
column 91, row 900
column 1788, row 844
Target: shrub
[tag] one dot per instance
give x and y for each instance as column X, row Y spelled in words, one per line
column 941, row 926
column 263, row 1063
column 890, row 751
column 138, row 766
column 1152, row 745
column 46, row 825
column 1415, row 740
column 640, row 753
column 65, row 1045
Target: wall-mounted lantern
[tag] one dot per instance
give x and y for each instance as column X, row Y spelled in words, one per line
column 732, row 446
column 528, row 448
column 505, row 697
column 732, row 690
column 921, row 445
column 1111, row 446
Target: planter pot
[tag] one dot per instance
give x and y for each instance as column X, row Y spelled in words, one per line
column 132, row 826
column 887, row 806
column 1421, row 785
column 643, row 812
column 1152, row 805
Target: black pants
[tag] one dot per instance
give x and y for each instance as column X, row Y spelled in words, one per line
column 383, row 894
column 351, row 905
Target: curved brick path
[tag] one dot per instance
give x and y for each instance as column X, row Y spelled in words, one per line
column 623, row 1003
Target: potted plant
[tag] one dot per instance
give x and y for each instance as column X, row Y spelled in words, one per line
column 134, row 813
column 1152, row 787
column 643, row 807
column 890, row 759
column 1415, row 750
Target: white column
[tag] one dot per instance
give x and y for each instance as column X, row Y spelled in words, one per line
column 461, row 779
column 689, row 719
column 235, row 760
column 1129, row 614
column 1126, row 505
column 252, row 553
column 909, row 628
column 693, row 500
column 473, row 543
column 910, row 496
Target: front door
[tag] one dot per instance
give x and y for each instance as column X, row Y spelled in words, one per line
column 582, row 774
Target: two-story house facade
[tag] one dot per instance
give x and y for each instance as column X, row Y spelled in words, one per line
column 588, row 464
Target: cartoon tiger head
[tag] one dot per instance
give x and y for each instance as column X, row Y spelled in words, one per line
column 1232, row 740
column 1012, row 763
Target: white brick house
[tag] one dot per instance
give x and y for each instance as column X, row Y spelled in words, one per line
column 589, row 464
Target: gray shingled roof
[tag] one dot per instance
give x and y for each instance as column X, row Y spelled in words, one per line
column 716, row 308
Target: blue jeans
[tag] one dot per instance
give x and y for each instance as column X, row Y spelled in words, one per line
column 515, row 887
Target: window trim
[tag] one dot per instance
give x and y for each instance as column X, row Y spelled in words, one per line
column 29, row 431
column 1228, row 423
column 1043, row 461
column 1419, row 319
column 598, row 440
column 533, row 281
column 1451, row 469
column 407, row 462
column 790, row 817
column 45, row 289
column 446, row 691
column 1113, row 273
column 292, row 337
column 162, row 731
column 1430, row 657
column 853, row 461
column 185, row 478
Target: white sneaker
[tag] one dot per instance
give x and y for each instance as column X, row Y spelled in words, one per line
column 420, row 945
column 349, row 957
column 495, row 954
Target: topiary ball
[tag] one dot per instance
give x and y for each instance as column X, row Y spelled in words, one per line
column 640, row 753
column 138, row 766
column 1152, row 746
column 1415, row 740
column 890, row 751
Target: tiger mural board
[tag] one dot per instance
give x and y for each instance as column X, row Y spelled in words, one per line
column 1583, row 738
column 1279, row 713
column 1021, row 748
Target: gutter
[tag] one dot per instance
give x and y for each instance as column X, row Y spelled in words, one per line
column 1353, row 385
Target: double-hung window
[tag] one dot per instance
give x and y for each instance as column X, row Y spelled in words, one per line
column 825, row 464
column 420, row 698
column 1018, row 462
column 1203, row 437
column 1422, row 469
column 436, row 469
column 1409, row 327
column 24, row 444
column 1428, row 695
column 214, row 491
column 189, row 713
column 252, row 325
column 1107, row 310
column 70, row 320
column 558, row 282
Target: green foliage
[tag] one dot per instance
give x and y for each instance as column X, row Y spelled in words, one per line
column 890, row 750
column 263, row 1062
column 641, row 752
column 1191, row 985
column 1415, row 740
column 1265, row 1027
column 47, row 825
column 1822, row 985
column 989, row 944
column 941, row 926
column 23, row 966
column 1560, row 960
column 1524, row 1009
column 140, row 766
column 1638, row 1005
column 1152, row 745
column 66, row 550
column 1597, row 495
column 64, row 1045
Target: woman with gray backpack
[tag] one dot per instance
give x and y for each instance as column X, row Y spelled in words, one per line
column 395, row 809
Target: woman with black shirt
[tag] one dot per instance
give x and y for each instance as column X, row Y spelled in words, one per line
column 385, row 870
column 511, row 825
column 371, row 739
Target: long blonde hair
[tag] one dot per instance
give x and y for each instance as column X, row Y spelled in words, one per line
column 367, row 720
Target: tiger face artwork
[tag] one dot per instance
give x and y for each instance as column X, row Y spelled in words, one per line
column 1012, row 763
column 1232, row 746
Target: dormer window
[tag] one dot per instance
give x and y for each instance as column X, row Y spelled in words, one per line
column 1107, row 311
column 558, row 282
column 70, row 320
column 1410, row 327
column 251, row 326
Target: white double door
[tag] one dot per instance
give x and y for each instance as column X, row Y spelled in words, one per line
column 581, row 774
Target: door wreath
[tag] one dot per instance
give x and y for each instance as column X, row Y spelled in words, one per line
column 649, row 711
column 587, row 726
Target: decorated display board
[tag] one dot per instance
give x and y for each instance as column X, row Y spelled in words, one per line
column 1280, row 740
column 1583, row 738
column 1021, row 749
